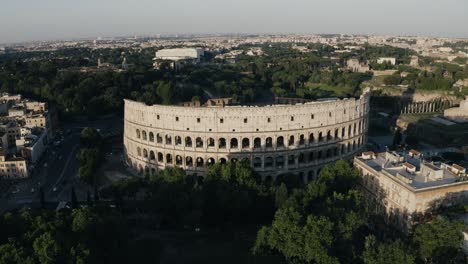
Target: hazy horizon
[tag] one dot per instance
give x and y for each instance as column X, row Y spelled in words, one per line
column 29, row 20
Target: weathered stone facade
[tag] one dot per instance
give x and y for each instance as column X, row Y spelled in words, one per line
column 274, row 139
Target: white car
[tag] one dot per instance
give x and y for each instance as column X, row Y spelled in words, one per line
column 54, row 189
column 32, row 190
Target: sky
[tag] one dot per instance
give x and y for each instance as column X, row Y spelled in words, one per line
column 28, row 20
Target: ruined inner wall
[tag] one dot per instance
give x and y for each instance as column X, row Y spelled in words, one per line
column 274, row 139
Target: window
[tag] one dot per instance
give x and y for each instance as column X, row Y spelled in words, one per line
column 221, row 120
column 157, row 117
column 269, row 120
column 292, row 118
column 198, row 120
column 176, row 118
column 245, row 120
column 312, row 116
column 329, row 114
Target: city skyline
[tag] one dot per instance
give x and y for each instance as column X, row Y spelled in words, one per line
column 57, row 20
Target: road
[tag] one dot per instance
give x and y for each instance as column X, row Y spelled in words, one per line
column 57, row 171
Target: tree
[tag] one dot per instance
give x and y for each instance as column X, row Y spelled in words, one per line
column 47, row 249
column 281, row 195
column 320, row 223
column 74, row 200
column 12, row 252
column 386, row 253
column 397, row 138
column 439, row 241
column 90, row 137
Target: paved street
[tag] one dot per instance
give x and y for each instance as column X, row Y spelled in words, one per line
column 57, row 171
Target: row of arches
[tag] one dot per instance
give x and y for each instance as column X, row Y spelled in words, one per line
column 255, row 143
column 277, row 161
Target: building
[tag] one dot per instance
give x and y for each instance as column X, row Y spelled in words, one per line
column 458, row 113
column 405, row 186
column 25, row 128
column 12, row 167
column 356, row 66
column 177, row 57
column 381, row 60
column 274, row 139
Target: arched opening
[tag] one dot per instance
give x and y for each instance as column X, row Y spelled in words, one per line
column 301, row 158
column 342, row 149
column 140, row 169
column 257, row 162
column 311, row 138
column 211, row 142
column 291, row 160
column 222, row 143
column 280, row 162
column 301, row 140
column 139, row 151
column 343, row 132
column 200, row 162
column 138, row 133
column 199, row 142
column 354, row 144
column 188, row 161
column 153, row 171
column 319, row 155
column 160, row 157
column 311, row 156
column 168, row 158
column 245, row 143
column 257, row 143
column 178, row 160
column 234, row 144
column 188, row 142
column 151, row 136
column 310, row 176
column 349, row 131
column 349, row 147
column 268, row 180
column 354, row 129
column 222, row 161
column 280, row 142
column 147, row 170
column 246, row 161
column 336, row 133
column 329, row 137
column 268, row 162
column 177, row 140
column 152, row 156
column 168, row 140
column 269, row 142
column 291, row 141
column 159, row 138
column 143, row 133
column 320, row 137
column 210, row 162
column 329, row 153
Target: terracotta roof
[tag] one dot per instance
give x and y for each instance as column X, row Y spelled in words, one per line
column 409, row 165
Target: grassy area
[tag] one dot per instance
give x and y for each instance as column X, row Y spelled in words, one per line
column 412, row 118
column 324, row 90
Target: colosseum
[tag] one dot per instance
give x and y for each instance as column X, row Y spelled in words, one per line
column 274, row 139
